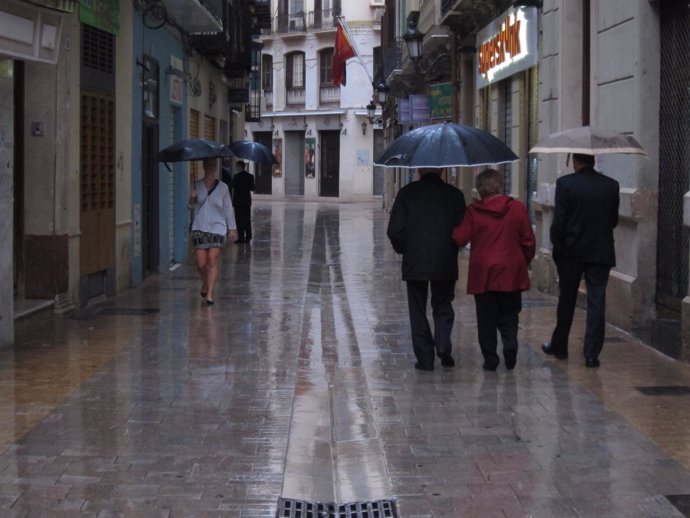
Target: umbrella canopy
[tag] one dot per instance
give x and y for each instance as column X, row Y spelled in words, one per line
column 588, row 141
column 445, row 145
column 254, row 151
column 193, row 149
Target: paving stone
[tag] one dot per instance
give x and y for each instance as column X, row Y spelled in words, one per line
column 299, row 382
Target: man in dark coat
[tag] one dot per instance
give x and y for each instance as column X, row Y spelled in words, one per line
column 242, row 187
column 420, row 228
column 585, row 214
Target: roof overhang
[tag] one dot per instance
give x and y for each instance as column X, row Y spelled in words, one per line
column 193, row 16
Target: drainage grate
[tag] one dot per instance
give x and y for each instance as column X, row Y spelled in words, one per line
column 680, row 502
column 289, row 508
column 139, row 312
column 679, row 390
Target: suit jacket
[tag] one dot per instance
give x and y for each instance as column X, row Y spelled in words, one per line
column 585, row 215
column 420, row 228
column 242, row 185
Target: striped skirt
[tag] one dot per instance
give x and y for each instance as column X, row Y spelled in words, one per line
column 205, row 240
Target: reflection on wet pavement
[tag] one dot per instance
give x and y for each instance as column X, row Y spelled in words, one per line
column 299, row 383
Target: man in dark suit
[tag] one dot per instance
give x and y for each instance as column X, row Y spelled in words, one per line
column 585, row 214
column 420, row 228
column 242, row 187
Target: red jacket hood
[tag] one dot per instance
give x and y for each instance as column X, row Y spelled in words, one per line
column 496, row 206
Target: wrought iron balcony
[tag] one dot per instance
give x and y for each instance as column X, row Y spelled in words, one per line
column 323, row 19
column 287, row 23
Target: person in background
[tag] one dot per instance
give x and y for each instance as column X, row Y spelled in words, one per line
column 242, row 187
column 213, row 224
column 585, row 214
column 421, row 222
column 502, row 246
column 226, row 173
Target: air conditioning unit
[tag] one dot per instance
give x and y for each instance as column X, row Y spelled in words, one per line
column 376, row 3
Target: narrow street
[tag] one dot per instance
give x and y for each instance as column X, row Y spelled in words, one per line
column 298, row 384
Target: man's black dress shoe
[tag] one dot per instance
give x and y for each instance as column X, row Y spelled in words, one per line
column 421, row 367
column 548, row 349
column 491, row 368
column 446, row 360
column 510, row 358
column 592, row 363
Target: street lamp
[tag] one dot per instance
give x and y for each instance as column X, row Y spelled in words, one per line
column 371, row 111
column 413, row 38
column 382, row 91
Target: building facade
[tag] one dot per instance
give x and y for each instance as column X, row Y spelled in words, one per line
column 90, row 92
column 319, row 131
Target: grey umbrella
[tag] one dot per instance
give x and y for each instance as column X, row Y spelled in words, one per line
column 445, row 145
column 588, row 141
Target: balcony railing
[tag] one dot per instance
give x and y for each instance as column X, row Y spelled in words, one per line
column 392, row 59
column 295, row 96
column 324, row 19
column 301, row 21
column 329, row 94
column 295, row 22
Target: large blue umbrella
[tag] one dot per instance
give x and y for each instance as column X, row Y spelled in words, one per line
column 445, row 145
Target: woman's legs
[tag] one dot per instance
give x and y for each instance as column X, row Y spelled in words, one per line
column 212, row 271
column 201, row 266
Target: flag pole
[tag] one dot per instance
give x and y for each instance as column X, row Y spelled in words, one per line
column 343, row 24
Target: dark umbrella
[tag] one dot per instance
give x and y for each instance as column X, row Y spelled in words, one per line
column 193, row 149
column 445, row 145
column 254, row 151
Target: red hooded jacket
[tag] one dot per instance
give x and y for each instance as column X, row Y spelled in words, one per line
column 502, row 244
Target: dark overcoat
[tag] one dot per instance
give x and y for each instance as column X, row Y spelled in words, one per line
column 421, row 226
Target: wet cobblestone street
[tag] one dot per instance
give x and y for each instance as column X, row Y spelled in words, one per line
column 299, row 383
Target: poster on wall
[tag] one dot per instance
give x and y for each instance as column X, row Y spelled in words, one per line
column 440, row 101
column 309, row 152
column 278, row 153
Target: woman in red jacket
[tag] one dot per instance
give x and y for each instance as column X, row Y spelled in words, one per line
column 502, row 245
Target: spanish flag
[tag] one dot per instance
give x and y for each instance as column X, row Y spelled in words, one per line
column 343, row 51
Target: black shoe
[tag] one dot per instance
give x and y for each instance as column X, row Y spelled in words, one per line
column 489, row 367
column 592, row 363
column 209, row 302
column 548, row 349
column 446, row 360
column 510, row 359
column 421, row 367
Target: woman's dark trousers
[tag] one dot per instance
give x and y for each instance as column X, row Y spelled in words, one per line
column 497, row 310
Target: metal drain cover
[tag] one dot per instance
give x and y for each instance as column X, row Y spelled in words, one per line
column 289, row 508
column 142, row 312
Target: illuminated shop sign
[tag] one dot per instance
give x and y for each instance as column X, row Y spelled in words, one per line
column 507, row 45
